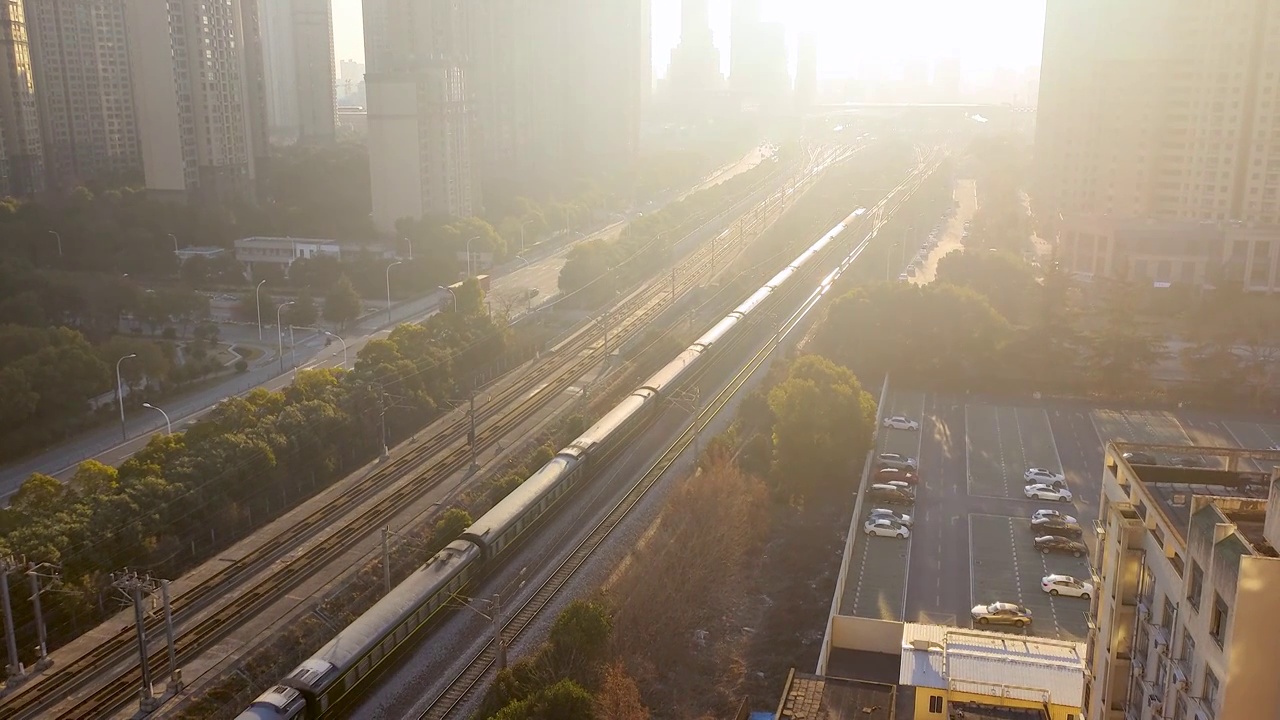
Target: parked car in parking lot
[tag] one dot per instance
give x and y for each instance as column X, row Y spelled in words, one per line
column 1041, row 475
column 1057, row 527
column 895, row 460
column 1140, row 458
column 1047, row 492
column 1187, row 461
column 1001, row 613
column 891, row 494
column 1044, row 513
column 884, row 527
column 900, row 518
column 899, row 422
column 886, row 475
column 1052, row 543
column 1066, row 585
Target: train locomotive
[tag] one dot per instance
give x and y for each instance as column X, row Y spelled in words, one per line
column 327, row 682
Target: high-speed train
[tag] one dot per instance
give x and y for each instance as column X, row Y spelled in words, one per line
column 323, row 685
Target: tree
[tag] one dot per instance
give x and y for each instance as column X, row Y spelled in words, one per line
column 618, row 698
column 1004, row 279
column 1121, row 352
column 823, row 427
column 470, row 297
column 566, row 700
column 303, row 311
column 342, row 304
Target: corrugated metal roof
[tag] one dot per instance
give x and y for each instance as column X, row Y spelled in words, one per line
column 990, row 663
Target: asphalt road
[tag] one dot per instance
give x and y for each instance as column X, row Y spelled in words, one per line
column 971, row 542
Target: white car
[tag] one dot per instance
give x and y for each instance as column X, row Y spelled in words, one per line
column 1043, row 516
column 1040, row 475
column 884, row 527
column 900, row 518
column 1066, row 585
column 1274, row 447
column 1047, row 492
column 898, row 422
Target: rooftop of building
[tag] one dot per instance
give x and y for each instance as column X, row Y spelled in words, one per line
column 1239, row 496
column 810, row 697
column 268, row 240
column 981, row 662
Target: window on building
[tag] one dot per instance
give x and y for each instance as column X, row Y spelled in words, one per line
column 1166, row 618
column 935, row 704
column 1197, row 586
column 1210, row 692
column 1218, row 621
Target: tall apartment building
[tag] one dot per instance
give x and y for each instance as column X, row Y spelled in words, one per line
column 1187, row 579
column 1153, row 109
column 559, row 87
column 806, row 86
column 744, row 28
column 198, row 92
column 421, row 109
column 21, row 151
column 693, row 77
column 298, row 69
column 84, row 90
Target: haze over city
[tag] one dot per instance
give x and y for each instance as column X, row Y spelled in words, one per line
column 638, row 359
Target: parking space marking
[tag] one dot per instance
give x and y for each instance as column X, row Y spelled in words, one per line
column 1141, row 427
column 968, row 452
column 1254, row 436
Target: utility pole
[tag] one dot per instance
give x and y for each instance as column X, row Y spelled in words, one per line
column 175, row 672
column 15, row 670
column 386, row 559
column 495, row 613
column 33, row 575
column 132, row 586
column 471, row 433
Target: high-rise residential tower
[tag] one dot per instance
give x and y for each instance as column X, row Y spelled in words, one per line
column 298, row 69
column 21, row 149
column 693, row 78
column 744, row 30
column 806, row 86
column 197, row 91
column 1160, row 109
column 560, row 86
column 85, row 90
column 421, row 109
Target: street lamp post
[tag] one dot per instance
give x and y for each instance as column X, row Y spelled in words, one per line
column 389, row 289
column 124, row 435
column 168, row 426
column 469, row 272
column 174, row 238
column 455, row 297
column 257, row 300
column 526, row 222
column 280, row 335
column 57, row 237
column 410, row 241
column 344, row 346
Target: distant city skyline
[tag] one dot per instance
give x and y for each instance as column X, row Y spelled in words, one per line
column 853, row 38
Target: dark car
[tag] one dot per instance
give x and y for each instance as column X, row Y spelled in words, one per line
column 885, row 475
column 1140, row 458
column 891, row 495
column 1058, row 528
column 1187, row 461
column 1052, row 543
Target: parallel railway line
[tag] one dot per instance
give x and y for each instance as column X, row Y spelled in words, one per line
column 467, row 682
column 511, row 407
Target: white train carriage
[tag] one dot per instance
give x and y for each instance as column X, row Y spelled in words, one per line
column 328, row 678
column 507, row 521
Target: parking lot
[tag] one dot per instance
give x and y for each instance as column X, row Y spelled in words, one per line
column 877, row 580
column 972, row 541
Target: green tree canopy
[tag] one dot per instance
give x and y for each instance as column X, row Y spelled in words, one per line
column 565, row 700
column 342, row 304
column 1005, row 280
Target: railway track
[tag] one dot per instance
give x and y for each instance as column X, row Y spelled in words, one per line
column 467, row 682
column 447, row 452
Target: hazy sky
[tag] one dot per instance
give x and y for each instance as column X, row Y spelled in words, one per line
column 852, row 34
